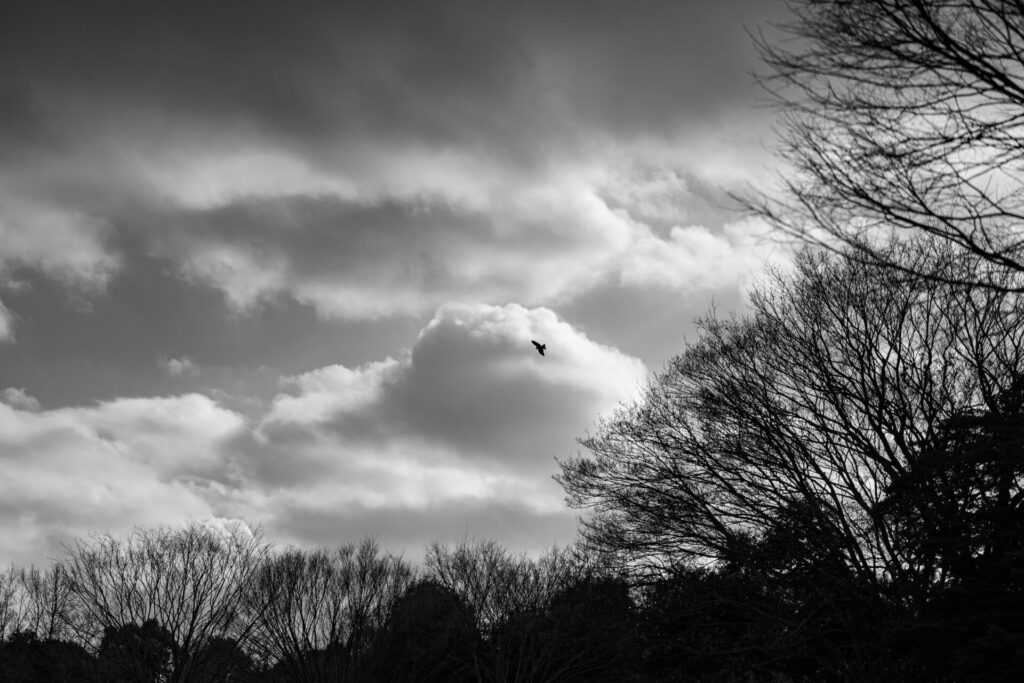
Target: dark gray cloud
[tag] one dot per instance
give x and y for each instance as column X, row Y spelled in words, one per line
column 440, row 72
column 473, row 380
column 653, row 324
column 72, row 349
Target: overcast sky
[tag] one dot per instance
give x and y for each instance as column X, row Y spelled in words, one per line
column 284, row 265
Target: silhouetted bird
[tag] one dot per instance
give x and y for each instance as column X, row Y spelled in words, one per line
column 540, row 347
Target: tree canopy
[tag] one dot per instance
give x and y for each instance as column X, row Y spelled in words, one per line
column 846, row 453
column 903, row 118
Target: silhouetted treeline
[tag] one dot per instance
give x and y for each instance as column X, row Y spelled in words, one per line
column 201, row 604
column 830, row 488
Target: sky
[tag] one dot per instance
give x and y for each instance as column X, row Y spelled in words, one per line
column 282, row 264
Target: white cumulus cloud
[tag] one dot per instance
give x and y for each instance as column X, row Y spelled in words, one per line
column 17, row 397
column 470, row 414
column 461, row 430
column 75, row 471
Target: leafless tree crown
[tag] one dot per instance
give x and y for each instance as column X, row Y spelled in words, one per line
column 902, row 118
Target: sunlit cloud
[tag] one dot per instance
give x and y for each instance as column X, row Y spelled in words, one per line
column 6, row 324
column 18, row 398
column 469, row 416
column 106, row 469
column 67, row 244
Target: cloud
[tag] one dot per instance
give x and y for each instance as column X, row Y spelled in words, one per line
column 448, row 72
column 408, row 529
column 694, row 257
column 369, row 162
column 461, row 429
column 350, row 167
column 365, row 261
column 457, row 433
column 538, row 243
column 72, row 472
column 229, row 528
column 179, row 436
column 6, row 324
column 179, row 367
column 472, row 386
column 18, row 398
column 68, row 244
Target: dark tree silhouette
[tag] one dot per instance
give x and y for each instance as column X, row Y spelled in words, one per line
column 135, row 653
column 594, row 623
column 773, row 443
column 731, row 624
column 24, row 658
column 903, row 118
column 191, row 582
column 430, row 638
column 318, row 612
column 512, row 600
column 962, row 501
column 221, row 660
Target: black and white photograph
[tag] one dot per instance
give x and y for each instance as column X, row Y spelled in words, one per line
column 512, row 341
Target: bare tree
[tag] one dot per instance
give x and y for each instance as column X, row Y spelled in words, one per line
column 46, row 602
column 492, row 581
column 510, row 597
column 789, row 431
column 316, row 612
column 188, row 583
column 9, row 621
column 903, row 118
column 38, row 601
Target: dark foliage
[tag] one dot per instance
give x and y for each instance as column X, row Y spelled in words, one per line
column 137, row 653
column 24, row 658
column 430, row 638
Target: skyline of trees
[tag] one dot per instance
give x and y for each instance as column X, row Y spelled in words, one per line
column 200, row 604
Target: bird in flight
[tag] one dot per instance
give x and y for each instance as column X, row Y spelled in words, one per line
column 540, row 347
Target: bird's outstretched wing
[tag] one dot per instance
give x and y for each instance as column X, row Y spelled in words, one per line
column 540, row 347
